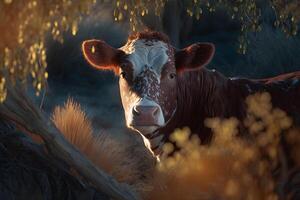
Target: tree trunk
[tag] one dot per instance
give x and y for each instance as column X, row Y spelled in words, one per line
column 19, row 109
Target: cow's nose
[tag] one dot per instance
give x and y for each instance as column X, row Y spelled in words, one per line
column 145, row 110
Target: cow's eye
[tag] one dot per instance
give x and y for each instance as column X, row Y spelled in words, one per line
column 172, row 75
column 124, row 65
column 123, row 74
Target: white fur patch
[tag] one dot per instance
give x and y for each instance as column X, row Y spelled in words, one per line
column 146, row 54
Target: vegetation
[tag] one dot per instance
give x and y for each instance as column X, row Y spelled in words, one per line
column 247, row 12
column 24, row 26
column 232, row 168
column 132, row 164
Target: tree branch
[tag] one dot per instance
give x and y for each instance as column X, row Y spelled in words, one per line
column 20, row 110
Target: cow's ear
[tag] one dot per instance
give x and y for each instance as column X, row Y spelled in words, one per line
column 194, row 56
column 101, row 55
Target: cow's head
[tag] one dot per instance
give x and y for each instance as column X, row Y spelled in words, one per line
column 148, row 67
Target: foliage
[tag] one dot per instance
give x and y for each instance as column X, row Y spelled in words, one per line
column 232, row 167
column 133, row 10
column 247, row 12
column 24, row 26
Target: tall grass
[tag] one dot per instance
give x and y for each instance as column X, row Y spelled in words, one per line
column 132, row 163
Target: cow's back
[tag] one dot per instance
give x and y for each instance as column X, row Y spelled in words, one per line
column 285, row 92
column 282, row 77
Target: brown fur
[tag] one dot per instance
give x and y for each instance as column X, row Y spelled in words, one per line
column 149, row 35
column 203, row 94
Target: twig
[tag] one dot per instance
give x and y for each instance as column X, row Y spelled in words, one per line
column 43, row 98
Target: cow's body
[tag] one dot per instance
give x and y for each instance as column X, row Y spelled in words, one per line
column 207, row 93
column 163, row 89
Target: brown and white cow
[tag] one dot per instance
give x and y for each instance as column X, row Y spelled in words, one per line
column 163, row 89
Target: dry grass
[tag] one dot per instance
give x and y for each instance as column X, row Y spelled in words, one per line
column 128, row 161
column 75, row 126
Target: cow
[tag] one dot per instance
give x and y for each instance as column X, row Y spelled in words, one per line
column 163, row 88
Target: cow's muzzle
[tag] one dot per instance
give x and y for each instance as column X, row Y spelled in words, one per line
column 146, row 116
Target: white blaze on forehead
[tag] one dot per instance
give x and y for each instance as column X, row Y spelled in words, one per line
column 146, row 53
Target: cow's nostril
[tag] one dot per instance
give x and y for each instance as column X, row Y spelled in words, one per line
column 155, row 111
column 145, row 111
column 135, row 111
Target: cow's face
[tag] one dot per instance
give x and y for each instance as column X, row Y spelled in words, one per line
column 148, row 84
column 148, row 70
